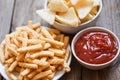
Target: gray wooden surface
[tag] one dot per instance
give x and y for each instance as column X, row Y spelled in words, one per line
column 15, row 13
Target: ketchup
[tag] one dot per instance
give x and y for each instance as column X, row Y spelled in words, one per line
column 96, row 47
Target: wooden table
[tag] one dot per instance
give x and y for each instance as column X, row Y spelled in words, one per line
column 15, row 13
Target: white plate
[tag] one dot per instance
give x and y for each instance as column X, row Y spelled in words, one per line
column 58, row 74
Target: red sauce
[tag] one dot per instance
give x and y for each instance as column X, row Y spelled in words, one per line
column 96, row 47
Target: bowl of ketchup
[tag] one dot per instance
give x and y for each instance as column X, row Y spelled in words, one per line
column 95, row 47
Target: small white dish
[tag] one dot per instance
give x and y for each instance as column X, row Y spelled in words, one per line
column 89, row 65
column 73, row 30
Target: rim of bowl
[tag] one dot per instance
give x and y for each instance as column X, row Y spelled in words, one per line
column 98, row 13
column 90, row 29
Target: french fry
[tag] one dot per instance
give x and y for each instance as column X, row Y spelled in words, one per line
column 38, row 30
column 67, row 55
column 29, row 24
column 47, row 45
column 28, row 65
column 25, row 72
column 12, row 66
column 46, row 33
column 30, row 48
column 51, row 76
column 57, row 52
column 12, row 50
column 38, row 62
column 42, row 54
column 35, row 41
column 20, row 77
column 2, row 57
column 56, row 61
column 20, row 56
column 16, row 42
column 42, row 75
column 6, row 56
column 54, row 42
column 66, row 41
column 35, row 26
column 12, row 76
column 55, row 31
column 10, row 60
column 61, row 37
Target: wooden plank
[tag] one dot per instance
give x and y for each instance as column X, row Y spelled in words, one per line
column 6, row 9
column 26, row 10
column 110, row 19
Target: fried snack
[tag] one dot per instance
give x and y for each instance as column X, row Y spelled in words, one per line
column 30, row 48
column 33, row 52
column 71, row 13
column 25, row 72
column 42, row 54
column 46, row 33
column 66, row 41
column 69, row 18
column 28, row 65
column 42, row 74
column 57, row 52
column 12, row 66
column 2, row 56
column 54, row 42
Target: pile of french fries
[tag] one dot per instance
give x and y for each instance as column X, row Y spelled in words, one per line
column 33, row 52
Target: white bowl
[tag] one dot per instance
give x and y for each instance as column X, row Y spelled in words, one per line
column 94, row 66
column 72, row 30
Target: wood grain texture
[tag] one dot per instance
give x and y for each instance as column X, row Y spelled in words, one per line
column 26, row 10
column 6, row 10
